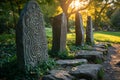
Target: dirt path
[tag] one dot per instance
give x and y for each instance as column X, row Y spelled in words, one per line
column 112, row 63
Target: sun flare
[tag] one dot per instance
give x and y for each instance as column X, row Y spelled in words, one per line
column 79, row 4
column 75, row 4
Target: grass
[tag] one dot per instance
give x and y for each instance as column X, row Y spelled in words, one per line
column 48, row 32
column 112, row 37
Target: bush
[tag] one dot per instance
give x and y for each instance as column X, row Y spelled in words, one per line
column 115, row 19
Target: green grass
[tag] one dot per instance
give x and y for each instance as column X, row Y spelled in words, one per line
column 48, row 32
column 113, row 37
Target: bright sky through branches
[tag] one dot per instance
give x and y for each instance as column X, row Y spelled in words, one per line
column 77, row 4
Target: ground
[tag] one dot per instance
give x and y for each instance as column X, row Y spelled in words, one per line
column 112, row 63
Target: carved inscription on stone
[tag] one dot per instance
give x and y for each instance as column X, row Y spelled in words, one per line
column 30, row 36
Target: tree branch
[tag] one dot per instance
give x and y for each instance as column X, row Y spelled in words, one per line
column 73, row 11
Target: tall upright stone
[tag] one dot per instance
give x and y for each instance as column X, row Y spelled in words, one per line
column 59, row 30
column 79, row 30
column 89, row 31
column 30, row 37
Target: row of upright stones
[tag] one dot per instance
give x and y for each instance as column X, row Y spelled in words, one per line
column 31, row 38
column 59, row 28
column 79, row 30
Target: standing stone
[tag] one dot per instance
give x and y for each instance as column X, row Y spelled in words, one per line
column 30, row 37
column 89, row 31
column 79, row 30
column 59, row 30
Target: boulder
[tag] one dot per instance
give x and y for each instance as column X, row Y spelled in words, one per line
column 73, row 62
column 58, row 75
column 86, row 71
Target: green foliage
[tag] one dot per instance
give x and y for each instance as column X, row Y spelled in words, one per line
column 74, row 48
column 7, row 39
column 7, row 49
column 48, row 7
column 61, row 55
column 40, row 70
column 8, row 62
column 98, row 61
column 10, row 70
column 101, row 74
column 65, row 55
column 115, row 19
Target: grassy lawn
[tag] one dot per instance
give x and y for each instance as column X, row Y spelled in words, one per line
column 99, row 36
column 113, row 37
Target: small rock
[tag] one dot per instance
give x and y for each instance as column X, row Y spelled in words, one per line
column 71, row 62
column 87, row 71
column 58, row 75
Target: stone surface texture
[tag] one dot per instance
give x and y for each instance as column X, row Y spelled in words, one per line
column 89, row 31
column 59, row 31
column 79, row 30
column 89, row 55
column 30, row 36
column 58, row 75
column 87, row 71
column 71, row 62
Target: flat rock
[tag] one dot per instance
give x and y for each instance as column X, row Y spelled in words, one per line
column 100, row 49
column 100, row 46
column 58, row 75
column 82, row 79
column 89, row 55
column 71, row 62
column 86, row 71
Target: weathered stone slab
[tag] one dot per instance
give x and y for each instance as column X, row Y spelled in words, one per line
column 59, row 30
column 87, row 71
column 58, row 75
column 71, row 62
column 89, row 31
column 89, row 55
column 82, row 79
column 100, row 46
column 30, row 36
column 79, row 30
column 100, row 49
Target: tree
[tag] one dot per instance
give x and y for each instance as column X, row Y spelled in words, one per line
column 100, row 8
column 68, row 10
column 115, row 19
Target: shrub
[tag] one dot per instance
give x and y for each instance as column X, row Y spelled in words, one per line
column 115, row 19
